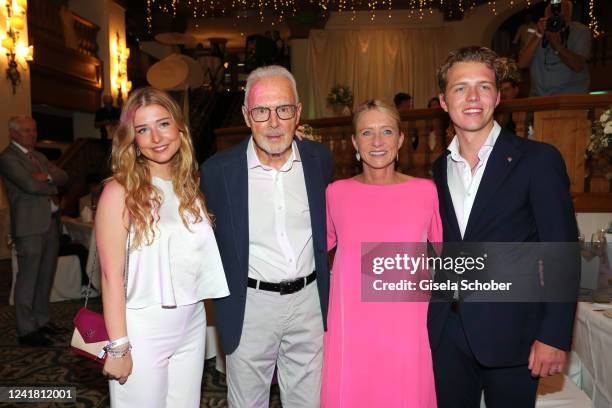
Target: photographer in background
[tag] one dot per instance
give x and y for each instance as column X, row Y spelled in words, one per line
column 557, row 52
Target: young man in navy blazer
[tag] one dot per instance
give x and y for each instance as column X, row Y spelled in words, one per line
column 496, row 187
column 268, row 198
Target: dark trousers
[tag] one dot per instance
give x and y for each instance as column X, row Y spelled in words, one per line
column 36, row 259
column 461, row 379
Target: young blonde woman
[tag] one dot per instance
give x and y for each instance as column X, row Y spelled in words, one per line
column 156, row 323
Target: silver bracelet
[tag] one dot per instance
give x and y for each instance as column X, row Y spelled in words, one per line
column 119, row 354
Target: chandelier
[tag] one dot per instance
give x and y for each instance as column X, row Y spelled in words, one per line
column 17, row 50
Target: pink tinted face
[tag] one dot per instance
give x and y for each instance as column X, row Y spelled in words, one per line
column 471, row 96
column 157, row 136
column 274, row 136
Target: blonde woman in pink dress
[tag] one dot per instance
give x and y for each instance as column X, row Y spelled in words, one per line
column 376, row 354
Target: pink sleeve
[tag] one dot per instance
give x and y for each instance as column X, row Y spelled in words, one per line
column 331, row 230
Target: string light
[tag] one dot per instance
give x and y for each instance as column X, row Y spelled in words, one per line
column 593, row 23
column 493, row 6
column 281, row 9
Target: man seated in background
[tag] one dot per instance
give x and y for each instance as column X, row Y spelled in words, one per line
column 434, row 103
column 557, row 53
column 509, row 89
column 32, row 184
column 403, row 102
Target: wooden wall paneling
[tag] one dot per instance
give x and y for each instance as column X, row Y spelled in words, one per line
column 592, row 202
column 56, row 89
column 567, row 130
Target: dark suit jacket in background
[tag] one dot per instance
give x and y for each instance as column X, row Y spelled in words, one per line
column 29, row 199
column 523, row 197
column 224, row 181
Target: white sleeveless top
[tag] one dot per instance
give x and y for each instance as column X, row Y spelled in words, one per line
column 180, row 267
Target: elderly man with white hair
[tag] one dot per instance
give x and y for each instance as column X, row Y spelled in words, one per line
column 31, row 185
column 268, row 198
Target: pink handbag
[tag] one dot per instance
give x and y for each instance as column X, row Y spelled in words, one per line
column 90, row 336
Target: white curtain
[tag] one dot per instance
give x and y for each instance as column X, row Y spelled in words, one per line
column 374, row 63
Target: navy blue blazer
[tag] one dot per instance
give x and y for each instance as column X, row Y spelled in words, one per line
column 523, row 197
column 224, row 182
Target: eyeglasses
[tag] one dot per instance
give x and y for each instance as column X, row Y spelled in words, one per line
column 262, row 114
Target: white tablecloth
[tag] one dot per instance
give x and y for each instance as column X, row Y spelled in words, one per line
column 66, row 283
column 592, row 352
column 78, row 230
column 83, row 233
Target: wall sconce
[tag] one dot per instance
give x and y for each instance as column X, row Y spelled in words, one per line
column 17, row 51
column 121, row 78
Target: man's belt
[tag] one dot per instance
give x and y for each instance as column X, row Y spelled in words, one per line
column 284, row 287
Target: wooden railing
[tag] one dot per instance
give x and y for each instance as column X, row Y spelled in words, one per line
column 564, row 121
column 87, row 35
column 46, row 24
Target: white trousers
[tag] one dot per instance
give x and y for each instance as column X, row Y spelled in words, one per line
column 168, row 356
column 284, row 331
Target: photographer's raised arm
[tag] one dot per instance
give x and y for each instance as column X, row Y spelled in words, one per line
column 574, row 61
column 528, row 51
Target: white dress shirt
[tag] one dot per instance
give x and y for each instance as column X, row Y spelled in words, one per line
column 463, row 182
column 280, row 233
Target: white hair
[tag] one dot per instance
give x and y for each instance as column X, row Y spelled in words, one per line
column 14, row 122
column 268, row 72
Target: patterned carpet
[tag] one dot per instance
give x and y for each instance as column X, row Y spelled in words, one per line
column 58, row 366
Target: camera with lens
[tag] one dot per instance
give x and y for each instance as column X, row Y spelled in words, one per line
column 556, row 22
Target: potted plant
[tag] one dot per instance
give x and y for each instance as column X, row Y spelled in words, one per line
column 340, row 99
column 600, row 142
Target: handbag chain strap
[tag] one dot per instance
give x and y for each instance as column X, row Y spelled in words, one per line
column 125, row 269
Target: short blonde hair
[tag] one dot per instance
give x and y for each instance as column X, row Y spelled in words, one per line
column 375, row 104
column 473, row 53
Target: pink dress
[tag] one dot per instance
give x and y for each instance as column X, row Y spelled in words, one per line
column 376, row 354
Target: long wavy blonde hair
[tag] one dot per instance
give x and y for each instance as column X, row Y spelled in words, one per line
column 142, row 198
